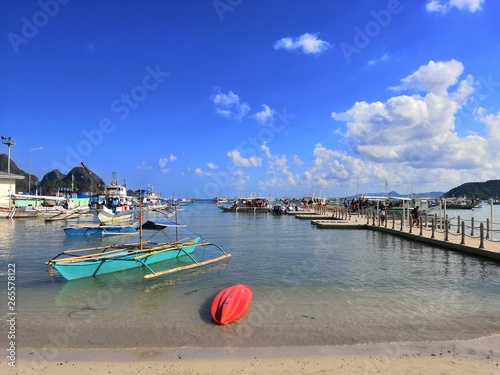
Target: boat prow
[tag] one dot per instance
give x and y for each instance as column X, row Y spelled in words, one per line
column 230, row 304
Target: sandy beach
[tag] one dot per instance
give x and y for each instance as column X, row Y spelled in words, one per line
column 481, row 356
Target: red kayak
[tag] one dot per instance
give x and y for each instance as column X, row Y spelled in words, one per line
column 231, row 303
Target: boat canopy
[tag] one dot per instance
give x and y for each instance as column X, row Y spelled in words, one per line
column 162, row 225
column 38, row 197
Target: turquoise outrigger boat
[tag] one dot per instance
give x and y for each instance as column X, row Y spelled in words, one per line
column 90, row 262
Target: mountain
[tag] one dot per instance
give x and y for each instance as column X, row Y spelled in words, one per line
column 482, row 190
column 78, row 179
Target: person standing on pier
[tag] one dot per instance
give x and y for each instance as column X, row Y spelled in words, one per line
column 415, row 214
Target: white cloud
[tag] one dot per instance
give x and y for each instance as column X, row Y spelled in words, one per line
column 240, row 161
column 144, row 166
column 265, row 115
column 443, row 6
column 433, row 77
column 278, row 168
column 199, row 172
column 413, row 138
column 297, row 160
column 230, row 106
column 307, row 43
column 384, row 57
column 211, row 166
column 162, row 163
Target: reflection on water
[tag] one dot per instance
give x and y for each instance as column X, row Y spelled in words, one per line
column 311, row 287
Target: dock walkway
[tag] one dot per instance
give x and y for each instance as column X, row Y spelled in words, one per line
column 476, row 242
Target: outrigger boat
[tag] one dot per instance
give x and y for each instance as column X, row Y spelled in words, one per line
column 90, row 262
column 100, row 230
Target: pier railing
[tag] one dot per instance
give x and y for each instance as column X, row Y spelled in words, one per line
column 469, row 232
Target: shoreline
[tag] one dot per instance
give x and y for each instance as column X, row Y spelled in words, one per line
column 476, row 356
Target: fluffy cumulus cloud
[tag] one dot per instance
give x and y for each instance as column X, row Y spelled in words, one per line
column 306, row 43
column 163, row 162
column 414, row 136
column 278, row 168
column 265, row 116
column 229, row 105
column 200, row 173
column 240, row 161
column 443, row 6
column 433, row 77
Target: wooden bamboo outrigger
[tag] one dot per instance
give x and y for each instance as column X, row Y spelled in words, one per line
column 187, row 267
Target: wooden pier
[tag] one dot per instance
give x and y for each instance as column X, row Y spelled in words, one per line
column 471, row 238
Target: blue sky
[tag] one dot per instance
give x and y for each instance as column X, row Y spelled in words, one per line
column 231, row 97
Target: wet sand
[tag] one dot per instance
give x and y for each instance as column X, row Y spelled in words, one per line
column 480, row 356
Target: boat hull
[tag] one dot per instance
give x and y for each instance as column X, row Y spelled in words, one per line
column 119, row 261
column 244, row 209
column 107, row 216
column 231, row 304
column 101, row 230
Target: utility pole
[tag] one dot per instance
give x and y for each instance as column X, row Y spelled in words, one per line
column 9, row 142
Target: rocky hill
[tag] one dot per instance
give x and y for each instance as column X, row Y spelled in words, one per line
column 78, row 179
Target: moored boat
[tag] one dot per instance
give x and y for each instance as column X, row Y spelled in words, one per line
column 114, row 206
column 100, row 230
column 91, row 262
column 462, row 203
column 248, row 204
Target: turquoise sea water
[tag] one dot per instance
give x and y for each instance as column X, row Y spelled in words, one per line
column 311, row 287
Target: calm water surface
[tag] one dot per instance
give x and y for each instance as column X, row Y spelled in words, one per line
column 311, row 287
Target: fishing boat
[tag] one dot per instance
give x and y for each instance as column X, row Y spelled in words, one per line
column 248, row 204
column 231, row 304
column 91, row 262
column 462, row 203
column 100, row 230
column 114, row 206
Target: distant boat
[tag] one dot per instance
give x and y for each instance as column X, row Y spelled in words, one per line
column 249, row 204
column 462, row 203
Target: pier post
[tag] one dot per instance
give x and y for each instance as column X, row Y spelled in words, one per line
column 433, row 227
column 421, row 229
column 487, row 228
column 458, row 224
column 481, row 235
column 411, row 225
column 472, row 226
column 446, row 229
column 401, row 228
column 462, row 242
column 393, row 220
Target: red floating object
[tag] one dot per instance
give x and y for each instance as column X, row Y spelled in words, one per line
column 231, row 303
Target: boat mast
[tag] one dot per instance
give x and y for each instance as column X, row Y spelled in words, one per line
column 140, row 221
